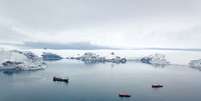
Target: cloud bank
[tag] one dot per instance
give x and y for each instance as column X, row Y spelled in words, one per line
column 109, row 23
column 77, row 46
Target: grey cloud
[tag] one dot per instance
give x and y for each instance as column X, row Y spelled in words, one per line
column 77, row 46
column 55, row 14
column 8, row 34
column 133, row 21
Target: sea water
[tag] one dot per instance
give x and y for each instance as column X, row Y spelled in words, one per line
column 103, row 82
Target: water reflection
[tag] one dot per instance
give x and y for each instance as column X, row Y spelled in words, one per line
column 93, row 62
column 158, row 65
column 11, row 72
column 197, row 68
column 96, row 62
column 112, row 65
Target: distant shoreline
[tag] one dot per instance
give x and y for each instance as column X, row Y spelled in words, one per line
column 175, row 49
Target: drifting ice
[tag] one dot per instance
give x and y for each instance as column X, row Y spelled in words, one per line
column 156, row 59
column 89, row 57
column 195, row 63
column 23, row 61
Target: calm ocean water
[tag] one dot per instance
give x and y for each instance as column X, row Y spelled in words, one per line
column 103, row 82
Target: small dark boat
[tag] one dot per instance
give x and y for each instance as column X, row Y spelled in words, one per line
column 61, row 79
column 157, row 86
column 124, row 95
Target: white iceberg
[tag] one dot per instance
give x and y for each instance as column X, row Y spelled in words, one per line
column 155, row 59
column 18, row 60
column 195, row 63
column 90, row 57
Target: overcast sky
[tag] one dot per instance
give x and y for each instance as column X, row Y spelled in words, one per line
column 111, row 23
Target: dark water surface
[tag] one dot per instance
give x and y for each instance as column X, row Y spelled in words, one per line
column 102, row 82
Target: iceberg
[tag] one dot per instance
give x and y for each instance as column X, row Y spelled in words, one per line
column 20, row 61
column 195, row 63
column 90, row 57
column 155, row 59
column 51, row 57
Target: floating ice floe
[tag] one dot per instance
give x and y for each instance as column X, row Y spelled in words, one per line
column 51, row 57
column 155, row 59
column 21, row 61
column 90, row 57
column 195, row 64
